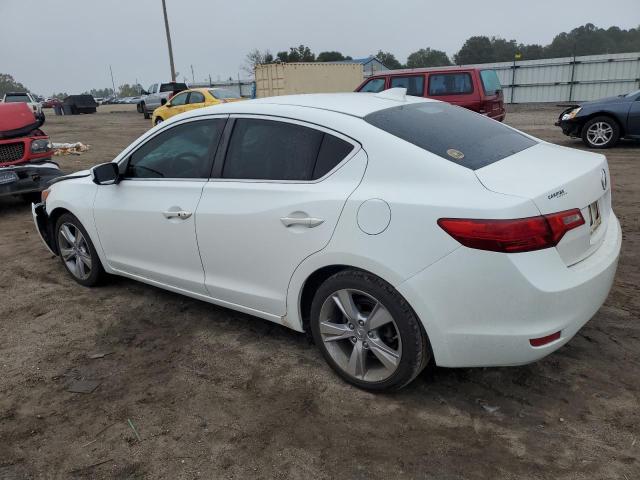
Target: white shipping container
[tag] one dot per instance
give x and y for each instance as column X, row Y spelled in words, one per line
column 276, row 79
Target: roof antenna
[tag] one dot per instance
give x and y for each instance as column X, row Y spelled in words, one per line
column 397, row 94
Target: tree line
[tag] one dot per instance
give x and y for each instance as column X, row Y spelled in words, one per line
column 584, row 40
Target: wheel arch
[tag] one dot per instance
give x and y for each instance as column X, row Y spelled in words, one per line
column 604, row 113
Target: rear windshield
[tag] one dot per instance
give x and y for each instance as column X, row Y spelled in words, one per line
column 173, row 87
column 454, row 133
column 490, row 82
column 16, row 98
column 221, row 93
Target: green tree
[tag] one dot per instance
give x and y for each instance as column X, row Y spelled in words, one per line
column 300, row 53
column 9, row 84
column 127, row 90
column 101, row 92
column 426, row 57
column 331, row 57
column 476, row 49
column 388, row 59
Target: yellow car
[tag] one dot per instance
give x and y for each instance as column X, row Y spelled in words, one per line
column 192, row 99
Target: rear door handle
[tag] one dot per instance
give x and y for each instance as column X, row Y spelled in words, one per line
column 309, row 222
column 177, row 214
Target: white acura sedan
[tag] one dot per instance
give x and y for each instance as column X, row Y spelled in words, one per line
column 399, row 230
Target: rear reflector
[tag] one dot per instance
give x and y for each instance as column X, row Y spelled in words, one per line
column 512, row 236
column 539, row 342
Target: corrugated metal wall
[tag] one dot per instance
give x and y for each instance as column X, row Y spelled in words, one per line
column 568, row 79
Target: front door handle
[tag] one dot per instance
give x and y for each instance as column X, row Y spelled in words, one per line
column 177, row 214
column 309, row 222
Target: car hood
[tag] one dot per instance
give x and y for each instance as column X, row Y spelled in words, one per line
column 16, row 120
column 602, row 101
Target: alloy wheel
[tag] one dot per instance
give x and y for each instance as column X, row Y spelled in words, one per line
column 74, row 251
column 360, row 335
column 599, row 133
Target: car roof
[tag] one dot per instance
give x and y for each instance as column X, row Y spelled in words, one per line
column 408, row 71
column 354, row 104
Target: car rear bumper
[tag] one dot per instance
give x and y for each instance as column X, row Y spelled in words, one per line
column 482, row 308
column 28, row 178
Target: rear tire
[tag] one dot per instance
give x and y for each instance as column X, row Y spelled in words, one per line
column 367, row 332
column 600, row 132
column 140, row 107
column 77, row 253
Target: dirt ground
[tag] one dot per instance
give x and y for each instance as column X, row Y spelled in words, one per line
column 212, row 393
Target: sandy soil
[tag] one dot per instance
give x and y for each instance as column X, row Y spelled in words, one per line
column 216, row 394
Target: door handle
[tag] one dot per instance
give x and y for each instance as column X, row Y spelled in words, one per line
column 309, row 222
column 177, row 214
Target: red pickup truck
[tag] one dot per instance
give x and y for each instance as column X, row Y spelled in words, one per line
column 477, row 89
column 25, row 153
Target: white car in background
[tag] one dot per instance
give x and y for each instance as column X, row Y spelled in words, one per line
column 399, row 230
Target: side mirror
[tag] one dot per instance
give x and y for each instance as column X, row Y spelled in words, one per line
column 164, row 102
column 106, row 174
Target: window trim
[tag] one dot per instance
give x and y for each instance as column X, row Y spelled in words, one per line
column 469, row 73
column 186, row 102
column 385, row 85
column 124, row 162
column 204, row 98
column 223, row 148
column 424, row 83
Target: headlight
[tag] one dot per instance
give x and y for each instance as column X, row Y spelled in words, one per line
column 40, row 146
column 571, row 115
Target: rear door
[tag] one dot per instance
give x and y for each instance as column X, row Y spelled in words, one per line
column 276, row 200
column 196, row 100
column 454, row 87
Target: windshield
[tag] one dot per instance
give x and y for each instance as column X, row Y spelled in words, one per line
column 453, row 133
column 17, row 98
column 632, row 94
column 222, row 94
column 490, row 82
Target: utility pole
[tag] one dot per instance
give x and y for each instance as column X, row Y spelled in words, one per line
column 193, row 77
column 112, row 82
column 166, row 26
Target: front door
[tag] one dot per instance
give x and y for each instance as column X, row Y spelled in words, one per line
column 146, row 223
column 278, row 199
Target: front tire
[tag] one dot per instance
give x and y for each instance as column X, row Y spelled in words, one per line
column 367, row 332
column 158, row 121
column 146, row 114
column 601, row 132
column 77, row 253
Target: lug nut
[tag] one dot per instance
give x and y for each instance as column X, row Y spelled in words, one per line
column 371, row 334
column 351, row 326
column 365, row 344
column 361, row 323
column 354, row 340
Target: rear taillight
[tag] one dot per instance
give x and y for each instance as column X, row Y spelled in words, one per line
column 512, row 236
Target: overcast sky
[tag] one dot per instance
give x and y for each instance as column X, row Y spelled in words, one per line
column 67, row 45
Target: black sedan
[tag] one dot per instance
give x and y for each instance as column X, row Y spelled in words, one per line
column 601, row 123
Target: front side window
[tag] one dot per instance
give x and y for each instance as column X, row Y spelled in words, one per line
column 196, row 97
column 183, row 151
column 271, row 150
column 152, row 88
column 413, row 83
column 375, row 85
column 453, row 133
column 450, row 84
column 180, row 99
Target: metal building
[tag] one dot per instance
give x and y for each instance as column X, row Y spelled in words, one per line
column 568, row 79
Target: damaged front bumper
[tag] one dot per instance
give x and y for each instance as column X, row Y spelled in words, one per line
column 43, row 226
column 27, row 177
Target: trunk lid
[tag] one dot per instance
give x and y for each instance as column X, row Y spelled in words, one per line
column 558, row 178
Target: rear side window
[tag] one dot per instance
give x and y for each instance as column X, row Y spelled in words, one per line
column 173, row 87
column 450, row 84
column 414, row 84
column 222, row 94
column 453, row 133
column 374, row 85
column 490, row 82
column 271, row 150
column 196, row 97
